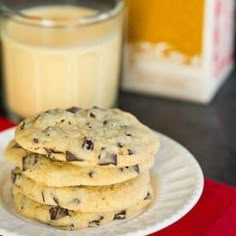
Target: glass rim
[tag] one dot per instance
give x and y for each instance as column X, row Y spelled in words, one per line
column 98, row 17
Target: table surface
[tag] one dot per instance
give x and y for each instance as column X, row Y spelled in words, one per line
column 208, row 131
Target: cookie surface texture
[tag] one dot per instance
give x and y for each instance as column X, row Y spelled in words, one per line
column 67, row 219
column 92, row 137
column 84, row 198
column 60, row 174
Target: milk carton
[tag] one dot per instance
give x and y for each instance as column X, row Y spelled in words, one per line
column 179, row 49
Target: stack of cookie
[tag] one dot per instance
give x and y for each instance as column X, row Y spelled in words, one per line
column 80, row 168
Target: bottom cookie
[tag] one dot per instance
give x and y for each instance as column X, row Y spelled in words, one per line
column 70, row 220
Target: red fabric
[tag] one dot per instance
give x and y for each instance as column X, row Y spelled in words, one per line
column 5, row 123
column 213, row 215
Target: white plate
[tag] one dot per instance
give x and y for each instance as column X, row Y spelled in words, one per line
column 177, row 178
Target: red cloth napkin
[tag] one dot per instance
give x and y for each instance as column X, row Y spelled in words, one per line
column 213, row 215
column 5, row 123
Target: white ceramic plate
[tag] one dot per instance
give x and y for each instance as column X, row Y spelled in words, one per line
column 177, row 178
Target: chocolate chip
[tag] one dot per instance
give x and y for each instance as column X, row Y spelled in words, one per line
column 72, row 227
column 58, row 213
column 55, row 199
column 136, row 168
column 43, row 197
column 131, row 152
column 128, row 134
column 148, row 196
column 72, row 157
column 62, row 121
column 119, row 145
column 35, row 140
column 47, row 129
column 105, row 122
column 14, row 175
column 36, row 118
column 73, row 109
column 107, row 158
column 120, row 215
column 88, row 144
column 91, row 174
column 121, row 169
column 69, row 123
column 92, row 115
column 22, row 126
column 95, row 222
column 51, row 151
column 29, row 161
column 16, row 145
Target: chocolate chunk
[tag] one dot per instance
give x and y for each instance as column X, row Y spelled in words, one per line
column 43, row 197
column 88, row 144
column 58, row 213
column 120, row 215
column 71, row 157
column 37, row 117
column 131, row 152
column 14, row 175
column 95, row 222
column 55, row 199
column 92, row 115
column 51, row 151
column 119, row 145
column 35, row 140
column 136, row 168
column 47, row 129
column 16, row 145
column 107, row 158
column 73, row 109
column 22, row 126
column 91, row 174
column 148, row 196
column 72, row 227
column 29, row 161
column 98, row 108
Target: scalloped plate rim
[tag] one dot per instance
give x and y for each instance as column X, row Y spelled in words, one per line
column 174, row 217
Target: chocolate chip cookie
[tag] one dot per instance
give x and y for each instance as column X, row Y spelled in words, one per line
column 67, row 219
column 60, row 174
column 88, row 137
column 85, row 198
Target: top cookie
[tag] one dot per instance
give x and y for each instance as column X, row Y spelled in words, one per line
column 104, row 137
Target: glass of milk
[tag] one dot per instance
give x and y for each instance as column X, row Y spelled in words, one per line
column 60, row 54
